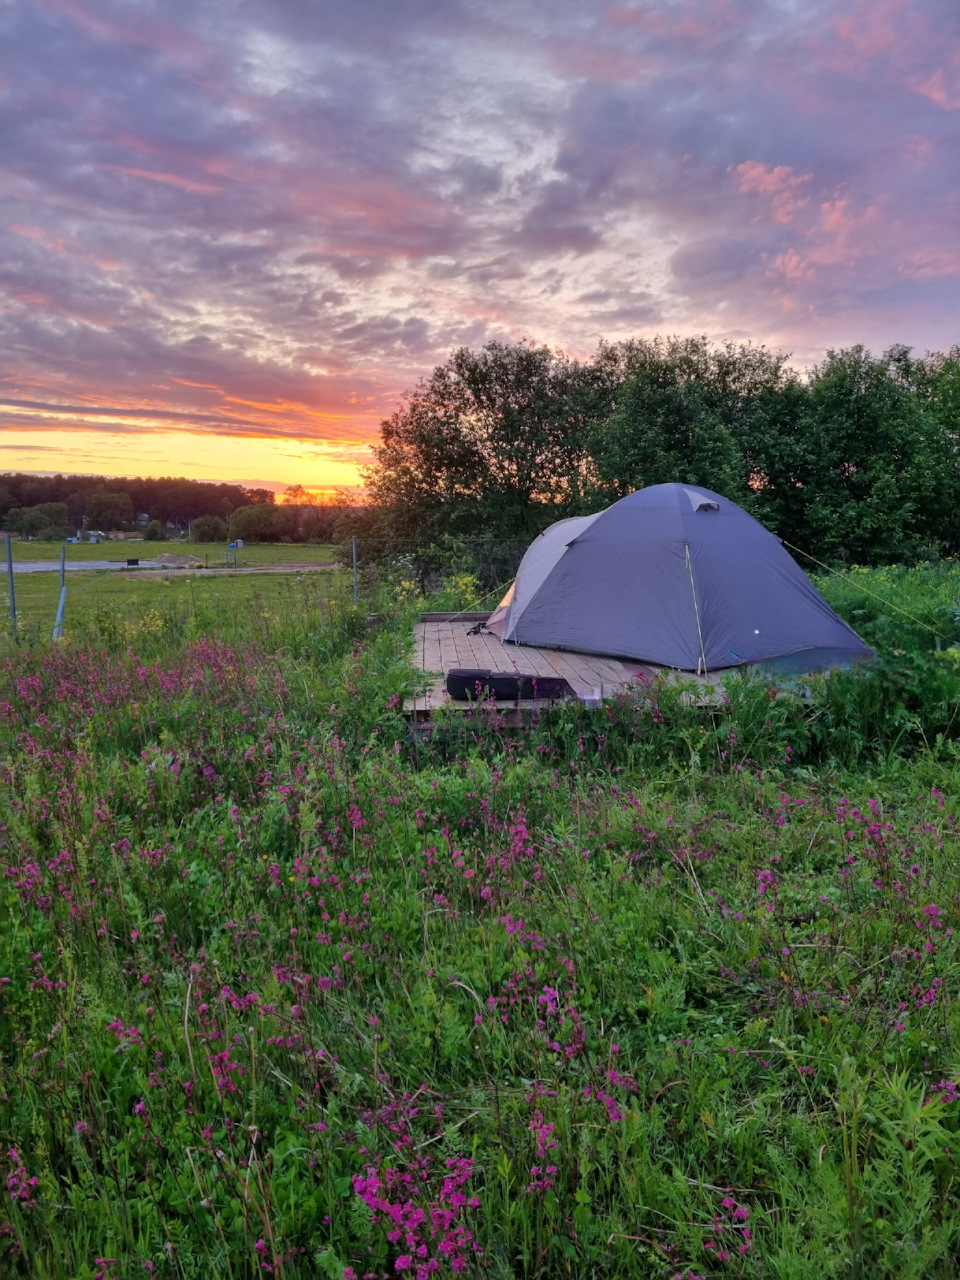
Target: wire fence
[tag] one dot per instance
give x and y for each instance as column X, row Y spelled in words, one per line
column 429, row 564
column 370, row 573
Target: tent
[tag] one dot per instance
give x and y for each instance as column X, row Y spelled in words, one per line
column 677, row 576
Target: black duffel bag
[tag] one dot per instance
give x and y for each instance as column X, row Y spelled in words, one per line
column 466, row 684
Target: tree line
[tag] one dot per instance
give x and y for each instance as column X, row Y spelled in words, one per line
column 857, row 458
column 55, row 507
column 32, row 504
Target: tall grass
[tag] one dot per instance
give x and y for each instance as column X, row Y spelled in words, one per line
column 656, row 990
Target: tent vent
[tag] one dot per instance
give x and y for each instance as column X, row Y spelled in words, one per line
column 700, row 502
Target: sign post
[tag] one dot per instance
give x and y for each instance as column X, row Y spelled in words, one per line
column 356, row 579
column 58, row 625
column 13, row 597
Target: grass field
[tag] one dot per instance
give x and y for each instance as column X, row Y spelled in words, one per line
column 252, row 554
column 115, row 605
column 654, row 990
column 111, row 608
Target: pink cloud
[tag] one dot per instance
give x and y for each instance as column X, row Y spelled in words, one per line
column 872, row 29
column 126, row 28
column 63, row 245
column 930, row 264
column 599, row 61
column 778, row 181
column 838, row 238
column 934, row 88
column 171, row 179
column 692, row 20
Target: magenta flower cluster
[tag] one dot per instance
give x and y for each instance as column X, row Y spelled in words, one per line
column 428, row 1227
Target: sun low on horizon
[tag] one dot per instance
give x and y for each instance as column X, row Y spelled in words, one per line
column 246, row 460
column 234, row 236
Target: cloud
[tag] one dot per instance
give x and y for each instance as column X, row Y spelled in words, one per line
column 172, row 179
column 268, row 219
column 779, row 182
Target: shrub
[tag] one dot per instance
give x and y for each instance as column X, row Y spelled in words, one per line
column 208, row 529
column 255, row 523
column 56, row 533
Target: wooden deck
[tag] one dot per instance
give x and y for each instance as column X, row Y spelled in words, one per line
column 442, row 642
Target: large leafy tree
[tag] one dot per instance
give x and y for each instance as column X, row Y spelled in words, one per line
column 255, row 523
column 108, row 509
column 494, row 441
column 937, row 382
column 880, row 472
column 33, row 521
column 681, row 415
column 859, row 459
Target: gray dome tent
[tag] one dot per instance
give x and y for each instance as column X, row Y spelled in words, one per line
column 673, row 575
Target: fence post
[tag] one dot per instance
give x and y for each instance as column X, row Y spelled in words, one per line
column 13, row 597
column 356, row 579
column 58, row 624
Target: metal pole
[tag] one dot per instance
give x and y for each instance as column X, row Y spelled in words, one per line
column 13, row 597
column 356, row 579
column 58, row 625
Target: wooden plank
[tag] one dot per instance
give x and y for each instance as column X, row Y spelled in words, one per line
column 629, row 670
column 618, row 672
column 435, row 696
column 482, row 656
column 608, row 670
column 623, row 673
column 477, row 650
column 494, row 648
column 457, row 642
column 465, row 651
column 496, row 656
column 432, row 660
column 597, row 670
column 583, row 684
column 525, row 661
column 544, row 662
column 541, row 662
column 427, row 648
column 580, row 674
column 532, row 658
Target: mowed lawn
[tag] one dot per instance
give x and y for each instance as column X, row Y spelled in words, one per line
column 112, row 606
column 213, row 552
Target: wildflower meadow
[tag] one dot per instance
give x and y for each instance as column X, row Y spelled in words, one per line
column 654, row 989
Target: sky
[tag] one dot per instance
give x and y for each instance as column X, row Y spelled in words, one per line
column 235, row 231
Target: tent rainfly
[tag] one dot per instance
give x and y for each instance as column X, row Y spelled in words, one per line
column 677, row 576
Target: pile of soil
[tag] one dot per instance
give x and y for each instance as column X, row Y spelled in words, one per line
column 177, row 562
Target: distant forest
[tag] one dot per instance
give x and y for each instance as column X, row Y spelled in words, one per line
column 857, row 459
column 55, row 507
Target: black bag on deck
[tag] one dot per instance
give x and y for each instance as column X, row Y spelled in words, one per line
column 468, row 685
